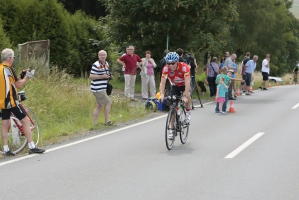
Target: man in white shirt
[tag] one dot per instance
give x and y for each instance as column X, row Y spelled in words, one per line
column 265, row 71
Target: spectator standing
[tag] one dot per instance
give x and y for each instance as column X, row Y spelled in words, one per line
column 265, row 71
column 162, row 64
column 9, row 101
column 147, row 76
column 220, row 95
column 243, row 74
column 235, row 69
column 202, row 80
column 229, row 64
column 227, row 79
column 191, row 61
column 212, row 71
column 181, row 54
column 100, row 74
column 250, row 67
column 131, row 61
column 123, row 67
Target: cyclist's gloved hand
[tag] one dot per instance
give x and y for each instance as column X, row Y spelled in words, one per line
column 30, row 74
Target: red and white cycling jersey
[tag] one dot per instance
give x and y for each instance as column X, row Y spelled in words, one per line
column 177, row 77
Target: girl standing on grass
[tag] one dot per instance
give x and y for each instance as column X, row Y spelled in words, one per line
column 220, row 94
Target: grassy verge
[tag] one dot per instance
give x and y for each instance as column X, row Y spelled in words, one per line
column 64, row 106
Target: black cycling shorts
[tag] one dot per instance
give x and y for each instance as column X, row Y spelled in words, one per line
column 17, row 111
column 176, row 90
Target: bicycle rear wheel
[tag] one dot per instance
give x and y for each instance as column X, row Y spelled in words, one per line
column 16, row 141
column 171, row 116
column 184, row 129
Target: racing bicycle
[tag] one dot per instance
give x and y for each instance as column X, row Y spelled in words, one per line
column 176, row 121
column 17, row 140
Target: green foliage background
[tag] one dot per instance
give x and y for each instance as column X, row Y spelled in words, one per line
column 202, row 27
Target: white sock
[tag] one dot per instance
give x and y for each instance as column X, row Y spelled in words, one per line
column 5, row 147
column 31, row 145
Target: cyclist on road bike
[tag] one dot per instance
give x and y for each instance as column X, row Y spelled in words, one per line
column 179, row 75
column 9, row 103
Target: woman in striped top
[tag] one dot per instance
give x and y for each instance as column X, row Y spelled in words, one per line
column 100, row 75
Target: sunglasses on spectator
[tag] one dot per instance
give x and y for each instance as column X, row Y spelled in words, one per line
column 170, row 63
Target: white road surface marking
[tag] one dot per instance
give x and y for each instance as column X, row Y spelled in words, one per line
column 245, row 145
column 295, row 106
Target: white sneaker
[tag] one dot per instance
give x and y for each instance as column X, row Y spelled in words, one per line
column 170, row 135
column 188, row 117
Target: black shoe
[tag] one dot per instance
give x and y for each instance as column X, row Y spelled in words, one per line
column 9, row 153
column 231, row 99
column 265, row 89
column 247, row 93
column 260, row 88
column 36, row 150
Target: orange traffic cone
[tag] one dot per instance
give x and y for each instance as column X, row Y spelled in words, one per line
column 269, row 85
column 232, row 108
column 238, row 92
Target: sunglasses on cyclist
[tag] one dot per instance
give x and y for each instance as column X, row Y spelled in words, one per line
column 170, row 63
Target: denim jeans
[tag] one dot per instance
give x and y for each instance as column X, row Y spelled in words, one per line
column 230, row 90
column 212, row 85
column 223, row 106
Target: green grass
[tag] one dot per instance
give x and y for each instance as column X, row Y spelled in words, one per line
column 64, row 105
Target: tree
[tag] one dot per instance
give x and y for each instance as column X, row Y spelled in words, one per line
column 267, row 27
column 4, row 40
column 194, row 25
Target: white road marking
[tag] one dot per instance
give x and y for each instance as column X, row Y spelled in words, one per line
column 244, row 145
column 87, row 139
column 295, row 106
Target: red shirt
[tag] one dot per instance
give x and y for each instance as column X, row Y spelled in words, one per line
column 177, row 76
column 130, row 61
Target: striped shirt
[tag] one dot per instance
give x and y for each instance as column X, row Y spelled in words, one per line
column 99, row 69
column 8, row 91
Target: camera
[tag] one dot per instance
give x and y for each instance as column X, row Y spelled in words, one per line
column 189, row 56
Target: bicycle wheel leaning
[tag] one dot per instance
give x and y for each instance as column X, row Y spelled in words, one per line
column 184, row 128
column 171, row 117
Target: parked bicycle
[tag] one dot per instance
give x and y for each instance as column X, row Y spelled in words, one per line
column 17, row 140
column 176, row 122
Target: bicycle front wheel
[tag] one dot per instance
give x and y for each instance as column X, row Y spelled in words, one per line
column 170, row 129
column 184, row 129
column 16, row 141
column 33, row 126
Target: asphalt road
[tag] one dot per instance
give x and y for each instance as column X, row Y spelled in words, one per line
column 252, row 154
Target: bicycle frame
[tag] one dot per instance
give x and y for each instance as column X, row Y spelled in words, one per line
column 176, row 122
column 20, row 127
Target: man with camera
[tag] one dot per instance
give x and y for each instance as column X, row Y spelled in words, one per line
column 191, row 61
column 100, row 74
